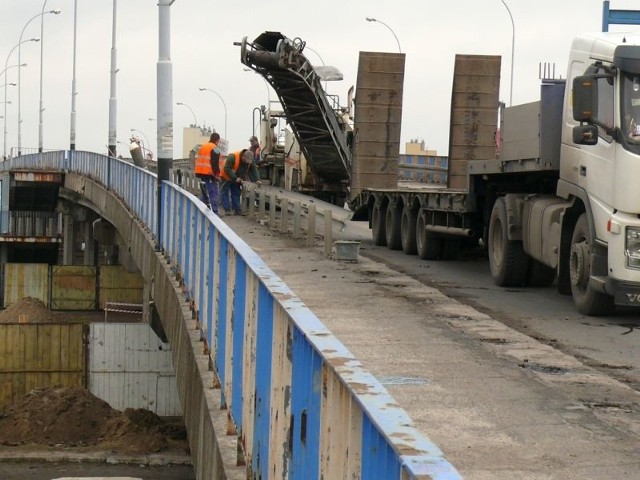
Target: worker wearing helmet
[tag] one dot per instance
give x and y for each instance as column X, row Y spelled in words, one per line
column 208, row 171
column 238, row 167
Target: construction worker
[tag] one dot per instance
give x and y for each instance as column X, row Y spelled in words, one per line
column 255, row 148
column 238, row 167
column 208, row 171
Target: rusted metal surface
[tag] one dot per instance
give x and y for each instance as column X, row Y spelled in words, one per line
column 378, row 115
column 474, row 114
column 37, row 176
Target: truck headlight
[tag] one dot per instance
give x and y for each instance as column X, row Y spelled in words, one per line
column 632, row 247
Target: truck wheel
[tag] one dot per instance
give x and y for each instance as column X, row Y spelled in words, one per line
column 507, row 260
column 540, row 275
column 392, row 223
column 378, row 229
column 587, row 300
column 408, row 230
column 427, row 244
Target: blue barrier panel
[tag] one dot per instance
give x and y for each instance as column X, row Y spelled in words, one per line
column 211, row 272
column 378, row 458
column 306, row 385
column 222, row 295
column 263, row 368
column 202, row 269
column 238, row 322
column 187, row 232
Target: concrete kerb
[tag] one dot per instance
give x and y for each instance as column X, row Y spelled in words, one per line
column 298, row 213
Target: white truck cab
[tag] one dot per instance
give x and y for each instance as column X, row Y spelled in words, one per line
column 600, row 168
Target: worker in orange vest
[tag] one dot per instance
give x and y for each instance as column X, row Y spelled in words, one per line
column 238, row 167
column 208, row 171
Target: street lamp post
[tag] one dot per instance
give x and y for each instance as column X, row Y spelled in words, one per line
column 6, row 67
column 513, row 41
column 266, row 84
column 40, row 142
column 6, row 102
column 148, row 145
column 370, row 19
column 202, row 89
column 55, row 12
column 72, row 126
column 113, row 105
column 164, row 110
column 307, row 47
column 195, row 121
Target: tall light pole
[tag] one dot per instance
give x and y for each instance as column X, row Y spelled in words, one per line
column 202, row 89
column 55, row 12
column 371, row 19
column 164, row 92
column 513, row 41
column 4, row 117
column 41, row 57
column 72, row 129
column 195, row 121
column 113, row 105
column 6, row 63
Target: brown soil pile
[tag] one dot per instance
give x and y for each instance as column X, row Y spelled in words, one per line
column 73, row 417
column 34, row 311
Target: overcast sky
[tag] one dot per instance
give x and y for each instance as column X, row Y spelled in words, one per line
column 203, row 55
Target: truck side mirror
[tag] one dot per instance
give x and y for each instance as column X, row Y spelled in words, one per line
column 585, row 134
column 585, row 98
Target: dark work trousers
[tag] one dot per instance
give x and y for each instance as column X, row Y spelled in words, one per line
column 210, row 192
column 230, row 195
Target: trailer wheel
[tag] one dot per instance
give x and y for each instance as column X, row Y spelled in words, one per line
column 392, row 224
column 507, row 260
column 378, row 229
column 540, row 275
column 427, row 244
column 408, row 230
column 587, row 300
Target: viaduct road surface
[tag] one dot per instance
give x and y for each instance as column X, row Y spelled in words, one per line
column 609, row 344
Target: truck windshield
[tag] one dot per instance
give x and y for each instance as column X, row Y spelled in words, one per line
column 630, row 111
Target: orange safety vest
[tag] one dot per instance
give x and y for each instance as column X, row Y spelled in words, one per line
column 203, row 160
column 236, row 165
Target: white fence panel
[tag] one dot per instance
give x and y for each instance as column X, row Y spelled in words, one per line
column 130, row 367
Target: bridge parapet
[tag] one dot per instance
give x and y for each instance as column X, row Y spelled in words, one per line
column 301, row 405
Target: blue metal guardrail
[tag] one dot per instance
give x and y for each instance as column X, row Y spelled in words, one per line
column 618, row 17
column 284, row 377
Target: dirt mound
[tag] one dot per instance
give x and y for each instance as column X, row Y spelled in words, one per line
column 34, row 311
column 74, row 417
